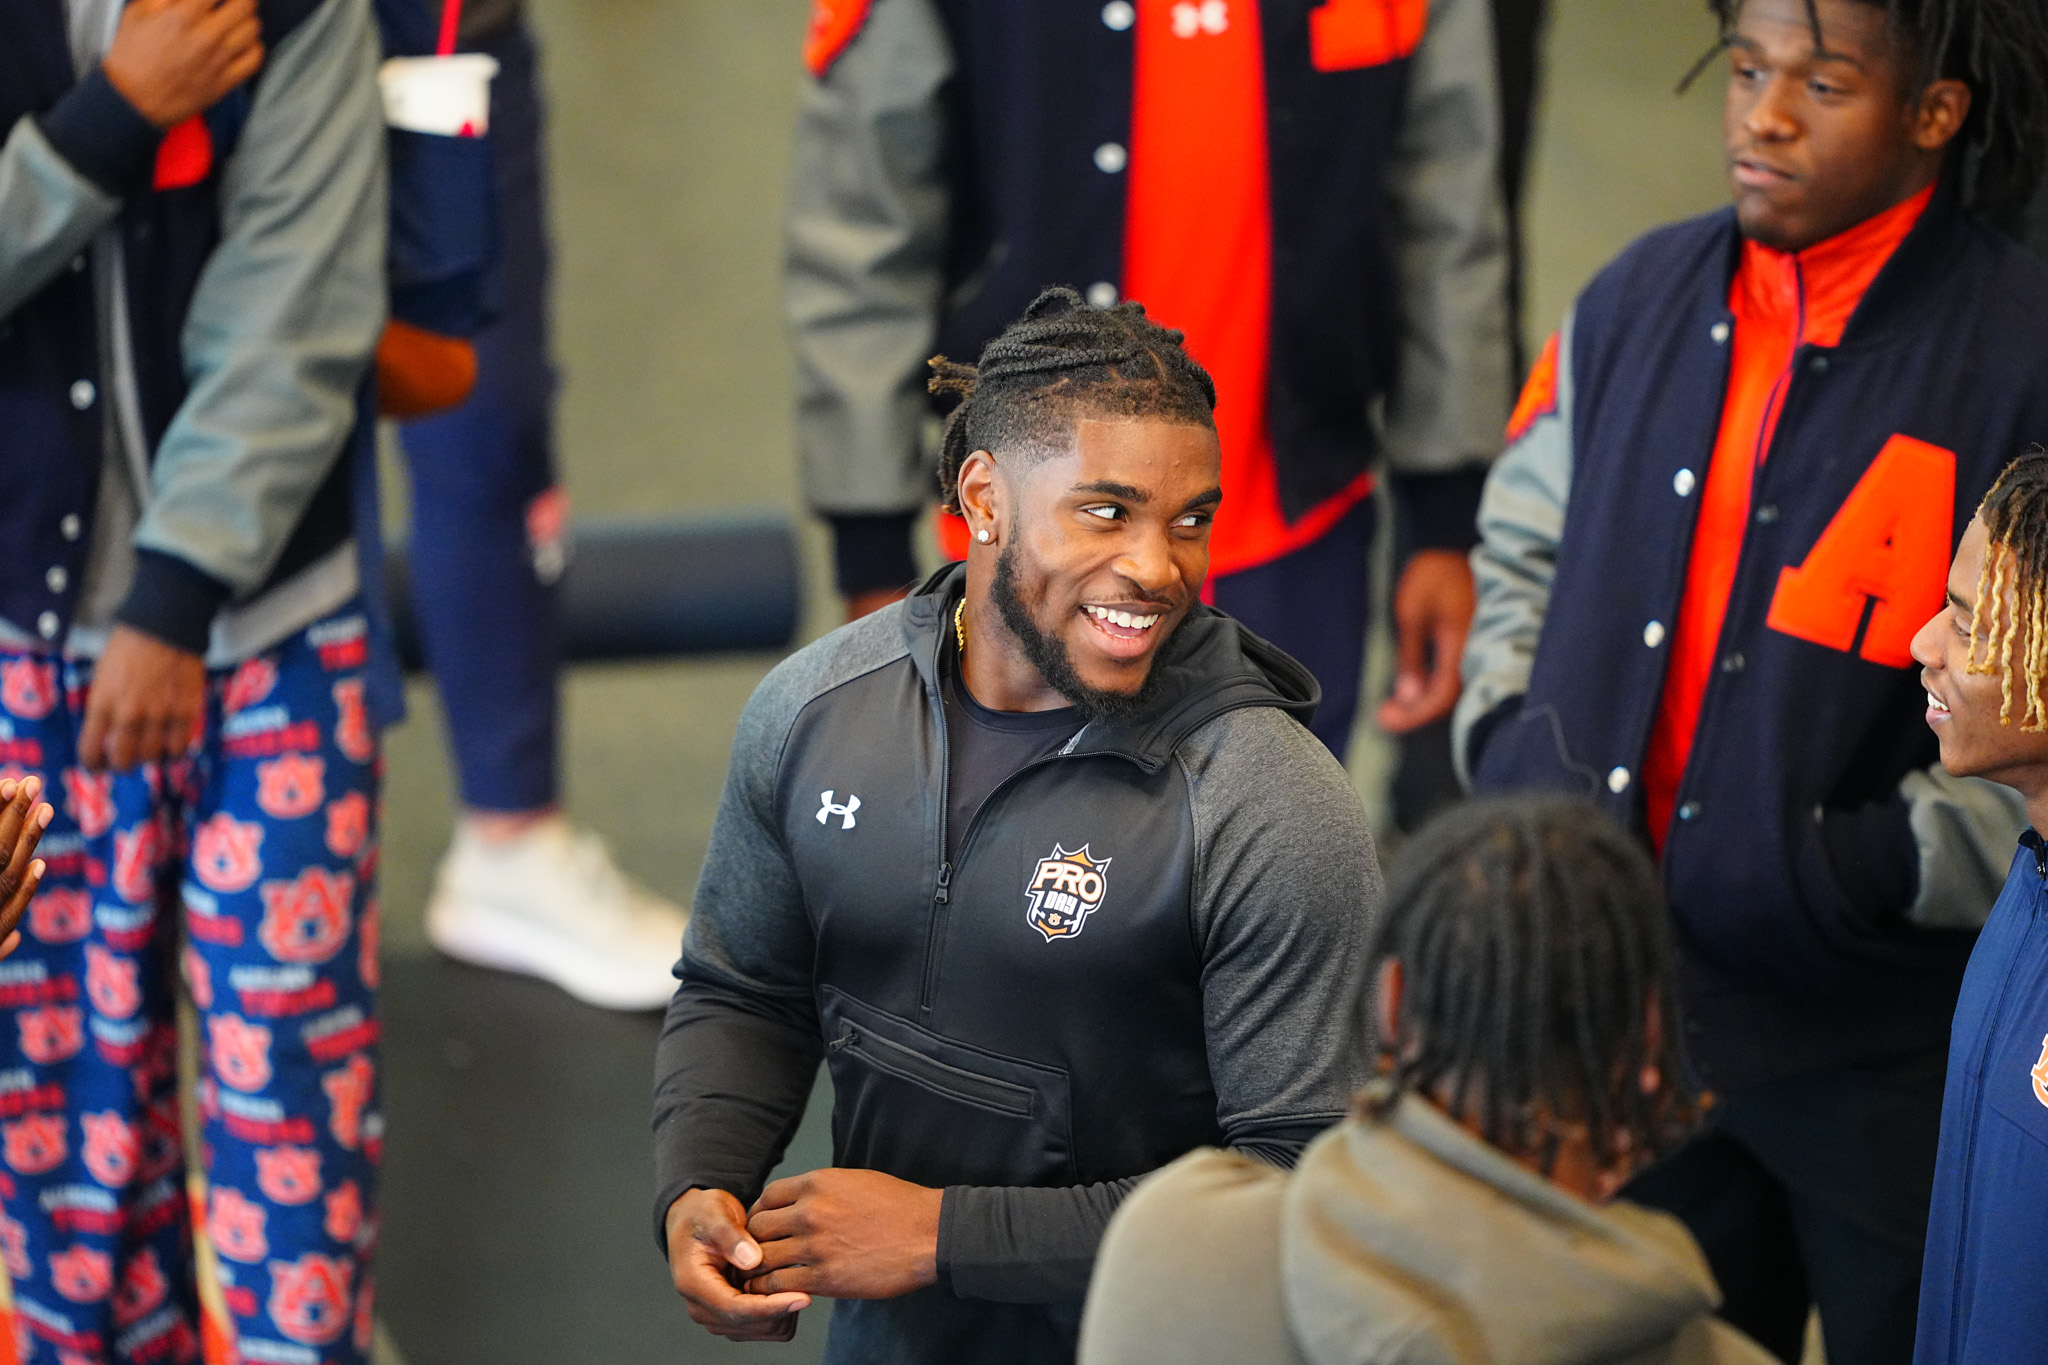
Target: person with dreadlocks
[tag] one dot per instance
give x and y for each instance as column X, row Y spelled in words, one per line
column 1522, row 1001
column 1042, row 861
column 1733, row 485
column 1984, row 661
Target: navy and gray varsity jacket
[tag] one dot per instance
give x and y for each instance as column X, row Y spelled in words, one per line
column 1824, row 871
column 253, row 297
column 950, row 164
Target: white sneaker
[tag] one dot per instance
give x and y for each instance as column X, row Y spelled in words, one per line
column 552, row 904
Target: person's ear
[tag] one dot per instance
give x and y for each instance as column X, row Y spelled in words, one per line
column 980, row 497
column 1939, row 114
column 1386, row 1003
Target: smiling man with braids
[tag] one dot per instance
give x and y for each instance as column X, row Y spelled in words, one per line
column 1984, row 660
column 1733, row 486
column 1044, row 864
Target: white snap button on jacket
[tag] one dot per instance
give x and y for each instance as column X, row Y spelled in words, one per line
column 1102, row 294
column 1617, row 781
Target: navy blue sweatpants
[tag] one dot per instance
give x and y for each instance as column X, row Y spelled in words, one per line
column 487, row 517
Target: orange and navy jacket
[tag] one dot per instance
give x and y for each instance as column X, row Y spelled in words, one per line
column 1306, row 187
column 1824, row 872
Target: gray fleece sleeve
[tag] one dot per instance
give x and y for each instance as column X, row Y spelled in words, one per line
column 281, row 328
column 1287, row 886
column 863, row 271
column 50, row 211
column 1453, row 380
column 1521, row 524
column 742, row 1042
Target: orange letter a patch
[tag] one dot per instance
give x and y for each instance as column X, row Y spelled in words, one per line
column 1886, row 552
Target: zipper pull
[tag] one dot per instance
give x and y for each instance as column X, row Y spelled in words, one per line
column 945, row 881
column 843, row 1041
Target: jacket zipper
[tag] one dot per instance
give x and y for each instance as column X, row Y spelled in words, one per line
column 942, row 891
column 941, row 1078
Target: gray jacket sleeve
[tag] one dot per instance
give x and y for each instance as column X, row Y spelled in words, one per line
column 1521, row 522
column 283, row 323
column 742, row 1043
column 1450, row 397
column 863, row 269
column 49, row 212
column 1287, row 886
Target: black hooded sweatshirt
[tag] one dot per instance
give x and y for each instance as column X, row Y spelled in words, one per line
column 1148, row 942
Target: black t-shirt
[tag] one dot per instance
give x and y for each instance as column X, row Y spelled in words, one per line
column 984, row 747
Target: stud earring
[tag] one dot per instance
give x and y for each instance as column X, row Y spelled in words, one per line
column 983, row 535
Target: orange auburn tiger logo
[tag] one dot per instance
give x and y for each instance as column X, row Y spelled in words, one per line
column 1065, row 888
column 2040, row 1073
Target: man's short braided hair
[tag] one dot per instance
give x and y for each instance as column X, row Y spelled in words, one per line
column 1063, row 361
column 2015, row 512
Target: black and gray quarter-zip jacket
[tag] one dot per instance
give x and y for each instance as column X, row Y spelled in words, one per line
column 1149, row 942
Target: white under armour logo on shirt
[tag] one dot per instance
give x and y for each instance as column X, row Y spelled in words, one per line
column 826, row 810
column 1210, row 16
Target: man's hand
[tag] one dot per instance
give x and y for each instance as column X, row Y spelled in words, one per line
column 872, row 600
column 707, row 1244
column 1432, row 614
column 148, row 699
column 22, row 821
column 172, row 59
column 846, row 1234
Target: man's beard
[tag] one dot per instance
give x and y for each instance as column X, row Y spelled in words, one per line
column 1048, row 654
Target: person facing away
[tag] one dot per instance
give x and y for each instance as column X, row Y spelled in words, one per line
column 1309, row 190
column 1045, row 865
column 1984, row 663
column 1520, row 991
column 1734, row 483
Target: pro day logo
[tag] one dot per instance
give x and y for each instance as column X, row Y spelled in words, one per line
column 1063, row 891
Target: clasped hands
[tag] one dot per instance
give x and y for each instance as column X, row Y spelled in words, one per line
column 846, row 1234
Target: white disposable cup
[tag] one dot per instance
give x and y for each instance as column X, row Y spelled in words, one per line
column 447, row 95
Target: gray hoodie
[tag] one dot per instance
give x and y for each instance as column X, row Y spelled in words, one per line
column 1407, row 1242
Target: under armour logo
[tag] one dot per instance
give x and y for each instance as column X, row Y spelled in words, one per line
column 826, row 810
column 1210, row 16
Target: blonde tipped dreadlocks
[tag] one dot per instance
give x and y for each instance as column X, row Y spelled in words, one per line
column 2015, row 570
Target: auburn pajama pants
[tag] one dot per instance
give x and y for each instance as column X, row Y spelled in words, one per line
column 266, row 840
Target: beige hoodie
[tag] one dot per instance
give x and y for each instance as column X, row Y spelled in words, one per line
column 1407, row 1242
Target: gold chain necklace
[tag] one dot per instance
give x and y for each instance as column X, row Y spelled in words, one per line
column 960, row 626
